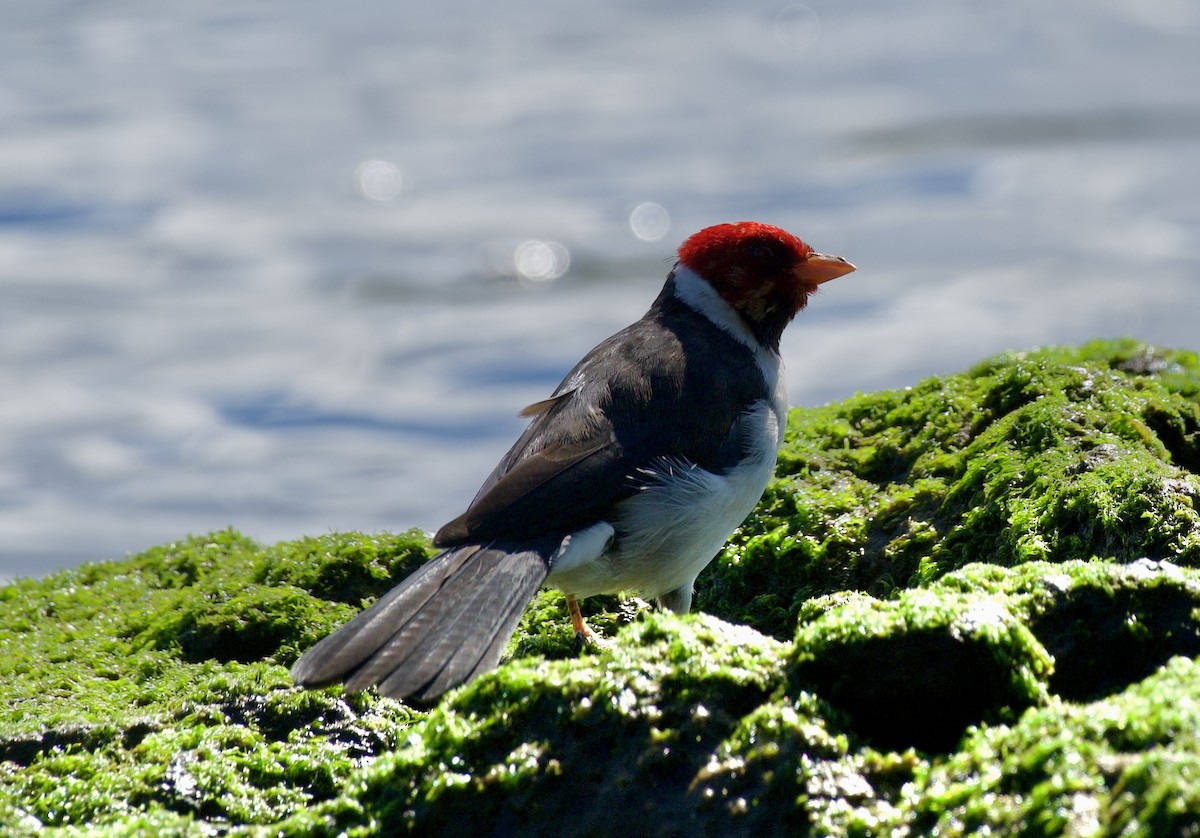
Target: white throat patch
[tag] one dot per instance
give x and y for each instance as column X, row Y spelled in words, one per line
column 699, row 295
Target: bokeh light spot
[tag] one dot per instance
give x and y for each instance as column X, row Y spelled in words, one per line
column 378, row 180
column 538, row 261
column 797, row 27
column 649, row 221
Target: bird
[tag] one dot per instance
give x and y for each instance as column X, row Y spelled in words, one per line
column 630, row 476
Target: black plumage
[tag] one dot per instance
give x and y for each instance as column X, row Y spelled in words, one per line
column 668, row 387
column 440, row 627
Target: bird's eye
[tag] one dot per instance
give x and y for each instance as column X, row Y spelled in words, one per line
column 762, row 253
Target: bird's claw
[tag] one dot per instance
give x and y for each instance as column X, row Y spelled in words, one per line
column 584, row 636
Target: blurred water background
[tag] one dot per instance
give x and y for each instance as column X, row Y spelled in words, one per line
column 294, row 267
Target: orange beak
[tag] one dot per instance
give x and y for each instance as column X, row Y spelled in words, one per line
column 818, row 268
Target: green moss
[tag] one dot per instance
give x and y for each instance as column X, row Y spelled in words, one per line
column 1105, row 625
column 129, row 689
column 787, row 770
column 546, row 628
column 1119, row 766
column 632, row 724
column 969, row 606
column 917, row 671
column 641, row 714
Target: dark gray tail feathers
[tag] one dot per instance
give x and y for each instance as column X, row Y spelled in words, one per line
column 442, row 626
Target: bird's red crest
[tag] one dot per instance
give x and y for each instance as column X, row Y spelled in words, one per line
column 752, row 266
column 715, row 247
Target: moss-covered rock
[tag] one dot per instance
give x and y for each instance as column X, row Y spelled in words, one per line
column 1065, row 453
column 918, row 670
column 972, row 605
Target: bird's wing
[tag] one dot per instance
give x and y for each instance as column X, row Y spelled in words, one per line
column 660, row 389
column 558, row 487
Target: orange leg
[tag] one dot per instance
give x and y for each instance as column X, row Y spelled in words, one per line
column 581, row 628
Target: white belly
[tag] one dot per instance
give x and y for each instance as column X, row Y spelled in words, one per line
column 663, row 536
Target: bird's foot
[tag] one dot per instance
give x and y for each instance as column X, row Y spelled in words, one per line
column 584, row 636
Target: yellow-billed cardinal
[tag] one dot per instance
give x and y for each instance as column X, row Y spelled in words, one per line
column 631, row 476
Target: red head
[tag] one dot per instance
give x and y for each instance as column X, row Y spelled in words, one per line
column 765, row 273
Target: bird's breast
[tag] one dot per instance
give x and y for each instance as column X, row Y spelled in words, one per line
column 667, row 532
